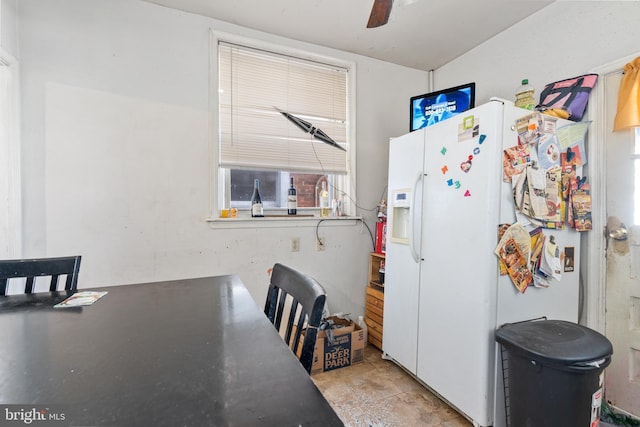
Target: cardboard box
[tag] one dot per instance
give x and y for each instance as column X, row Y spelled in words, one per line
column 346, row 350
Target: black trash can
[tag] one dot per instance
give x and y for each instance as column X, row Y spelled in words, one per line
column 554, row 373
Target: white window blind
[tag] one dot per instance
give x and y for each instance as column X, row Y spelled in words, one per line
column 254, row 86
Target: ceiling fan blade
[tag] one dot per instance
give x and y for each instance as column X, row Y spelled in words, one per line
column 379, row 13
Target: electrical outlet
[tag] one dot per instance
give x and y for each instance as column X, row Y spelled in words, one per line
column 295, row 244
column 320, row 244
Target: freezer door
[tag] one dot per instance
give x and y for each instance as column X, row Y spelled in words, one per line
column 402, row 274
column 458, row 279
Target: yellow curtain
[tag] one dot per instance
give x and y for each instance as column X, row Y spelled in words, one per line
column 628, row 114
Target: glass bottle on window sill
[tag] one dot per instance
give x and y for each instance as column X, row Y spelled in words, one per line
column 256, row 201
column 292, row 199
column 324, row 200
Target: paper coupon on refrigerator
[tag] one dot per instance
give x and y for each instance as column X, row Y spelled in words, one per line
column 516, row 264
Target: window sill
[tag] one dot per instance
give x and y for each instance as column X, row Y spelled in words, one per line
column 281, row 221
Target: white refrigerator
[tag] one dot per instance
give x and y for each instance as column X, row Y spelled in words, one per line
column 444, row 296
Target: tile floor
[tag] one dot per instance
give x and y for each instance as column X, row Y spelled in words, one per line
column 377, row 393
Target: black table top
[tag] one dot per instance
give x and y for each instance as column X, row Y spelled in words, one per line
column 195, row 352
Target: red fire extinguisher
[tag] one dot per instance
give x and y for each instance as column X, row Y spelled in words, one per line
column 381, row 229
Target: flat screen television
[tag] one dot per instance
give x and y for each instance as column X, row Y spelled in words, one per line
column 433, row 107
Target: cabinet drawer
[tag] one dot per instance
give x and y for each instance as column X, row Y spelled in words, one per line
column 375, row 309
column 375, row 338
column 375, row 332
column 374, row 327
column 373, row 315
column 375, row 293
column 375, row 304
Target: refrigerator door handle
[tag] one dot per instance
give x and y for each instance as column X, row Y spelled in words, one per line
column 414, row 216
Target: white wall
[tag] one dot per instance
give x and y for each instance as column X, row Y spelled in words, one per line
column 565, row 39
column 116, row 154
column 8, row 33
column 10, row 199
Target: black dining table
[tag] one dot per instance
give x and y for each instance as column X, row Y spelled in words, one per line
column 194, row 352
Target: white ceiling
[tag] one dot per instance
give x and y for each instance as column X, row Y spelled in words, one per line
column 423, row 34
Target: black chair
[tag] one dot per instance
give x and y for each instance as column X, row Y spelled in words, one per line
column 32, row 268
column 303, row 299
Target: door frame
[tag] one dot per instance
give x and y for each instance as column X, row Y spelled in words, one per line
column 10, row 167
column 595, row 267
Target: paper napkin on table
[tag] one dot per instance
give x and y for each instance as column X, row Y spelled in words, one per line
column 81, row 298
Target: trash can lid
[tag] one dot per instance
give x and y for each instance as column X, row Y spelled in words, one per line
column 555, row 342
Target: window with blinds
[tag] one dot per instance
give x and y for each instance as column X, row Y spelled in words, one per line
column 258, row 141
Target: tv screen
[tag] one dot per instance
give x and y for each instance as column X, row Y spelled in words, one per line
column 431, row 108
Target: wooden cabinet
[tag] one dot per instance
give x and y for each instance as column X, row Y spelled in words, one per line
column 374, row 306
column 375, row 259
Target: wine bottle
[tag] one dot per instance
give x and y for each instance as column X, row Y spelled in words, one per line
column 256, row 200
column 324, row 200
column 292, row 200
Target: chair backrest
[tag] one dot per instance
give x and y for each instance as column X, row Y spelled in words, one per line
column 32, row 268
column 304, row 292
